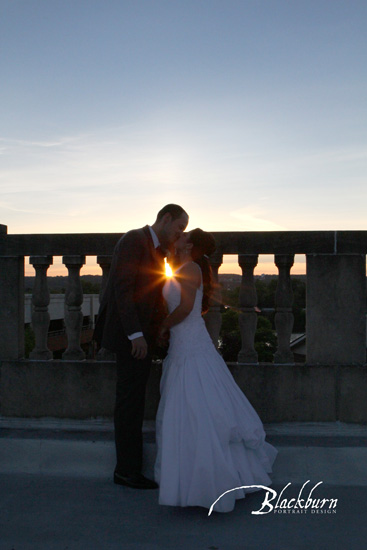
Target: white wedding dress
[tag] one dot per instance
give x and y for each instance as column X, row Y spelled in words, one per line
column 209, row 437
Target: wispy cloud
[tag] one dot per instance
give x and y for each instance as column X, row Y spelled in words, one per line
column 25, row 143
column 255, row 221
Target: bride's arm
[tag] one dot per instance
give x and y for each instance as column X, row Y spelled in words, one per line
column 189, row 279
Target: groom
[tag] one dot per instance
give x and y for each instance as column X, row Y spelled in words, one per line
column 129, row 318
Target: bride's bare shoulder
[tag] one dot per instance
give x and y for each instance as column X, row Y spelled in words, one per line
column 190, row 272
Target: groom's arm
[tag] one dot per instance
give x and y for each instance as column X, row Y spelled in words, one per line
column 129, row 253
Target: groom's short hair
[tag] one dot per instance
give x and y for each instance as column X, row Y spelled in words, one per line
column 174, row 209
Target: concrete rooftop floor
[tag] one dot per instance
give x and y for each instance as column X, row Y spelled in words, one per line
column 56, row 492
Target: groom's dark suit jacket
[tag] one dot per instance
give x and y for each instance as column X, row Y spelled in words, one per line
column 132, row 301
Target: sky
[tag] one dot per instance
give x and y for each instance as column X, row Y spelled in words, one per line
column 251, row 114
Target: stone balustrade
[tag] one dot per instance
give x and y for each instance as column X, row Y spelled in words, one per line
column 331, row 385
column 336, row 291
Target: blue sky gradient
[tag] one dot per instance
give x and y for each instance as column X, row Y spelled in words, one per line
column 251, row 113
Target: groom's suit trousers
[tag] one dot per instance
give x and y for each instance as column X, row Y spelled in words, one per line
column 132, row 376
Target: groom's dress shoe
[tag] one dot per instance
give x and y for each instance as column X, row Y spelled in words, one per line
column 136, row 481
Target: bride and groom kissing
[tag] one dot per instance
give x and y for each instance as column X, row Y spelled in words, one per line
column 209, row 438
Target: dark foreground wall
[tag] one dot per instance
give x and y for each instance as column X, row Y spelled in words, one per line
column 64, row 389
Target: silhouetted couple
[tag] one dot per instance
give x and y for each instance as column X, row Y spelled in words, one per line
column 209, row 438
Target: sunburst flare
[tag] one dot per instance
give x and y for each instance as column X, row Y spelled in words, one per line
column 168, row 268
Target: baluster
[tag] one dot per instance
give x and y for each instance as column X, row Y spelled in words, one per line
column 283, row 309
column 248, row 302
column 105, row 263
column 213, row 318
column 40, row 301
column 73, row 312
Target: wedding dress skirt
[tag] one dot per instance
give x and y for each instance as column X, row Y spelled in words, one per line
column 209, row 438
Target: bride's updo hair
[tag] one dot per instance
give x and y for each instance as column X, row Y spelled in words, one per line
column 203, row 246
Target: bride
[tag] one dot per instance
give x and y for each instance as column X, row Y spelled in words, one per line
column 209, row 438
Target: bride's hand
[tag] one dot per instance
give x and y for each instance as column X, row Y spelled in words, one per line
column 163, row 337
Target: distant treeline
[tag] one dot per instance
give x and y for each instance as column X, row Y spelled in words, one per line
column 92, row 283
column 265, row 289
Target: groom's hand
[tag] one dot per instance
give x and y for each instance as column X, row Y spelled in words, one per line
column 139, row 348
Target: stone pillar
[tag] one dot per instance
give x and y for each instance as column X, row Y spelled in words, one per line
column 283, row 309
column 213, row 318
column 11, row 305
column 40, row 301
column 73, row 310
column 105, row 263
column 336, row 309
column 248, row 302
